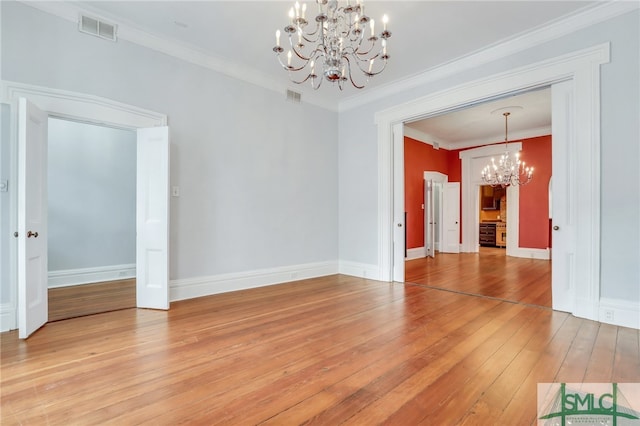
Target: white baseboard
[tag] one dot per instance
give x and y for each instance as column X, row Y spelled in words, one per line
column 360, row 270
column 416, row 253
column 69, row 277
column 619, row 312
column 7, row 317
column 190, row 288
column 531, row 253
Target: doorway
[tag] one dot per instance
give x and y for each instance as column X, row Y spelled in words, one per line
column 31, row 107
column 91, row 189
column 575, row 99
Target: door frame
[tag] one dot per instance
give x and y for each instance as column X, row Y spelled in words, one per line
column 67, row 105
column 435, row 177
column 582, row 68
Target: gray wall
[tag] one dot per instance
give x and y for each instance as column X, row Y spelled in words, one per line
column 257, row 175
column 92, row 196
column 620, row 152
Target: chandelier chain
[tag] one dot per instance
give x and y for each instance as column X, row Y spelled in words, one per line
column 508, row 171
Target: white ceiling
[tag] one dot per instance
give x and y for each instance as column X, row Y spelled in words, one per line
column 425, row 34
column 530, row 116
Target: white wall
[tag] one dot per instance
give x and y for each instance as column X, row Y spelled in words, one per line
column 5, row 229
column 620, row 242
column 257, row 174
column 92, row 196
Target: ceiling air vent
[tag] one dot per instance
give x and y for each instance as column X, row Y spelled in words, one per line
column 293, row 96
column 97, row 27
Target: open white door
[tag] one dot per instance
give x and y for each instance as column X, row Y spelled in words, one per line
column 430, row 218
column 33, row 307
column 152, row 216
column 563, row 223
column 398, row 203
column 450, row 241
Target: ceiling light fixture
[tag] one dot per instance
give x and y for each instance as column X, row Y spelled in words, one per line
column 508, row 171
column 339, row 45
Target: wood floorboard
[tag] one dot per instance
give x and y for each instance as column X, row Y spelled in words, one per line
column 331, row 350
column 488, row 273
column 88, row 299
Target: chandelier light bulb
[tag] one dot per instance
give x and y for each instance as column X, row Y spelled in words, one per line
column 335, row 40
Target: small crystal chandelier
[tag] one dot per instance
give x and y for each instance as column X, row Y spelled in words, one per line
column 339, row 44
column 508, row 171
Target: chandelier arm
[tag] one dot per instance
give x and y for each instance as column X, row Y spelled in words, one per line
column 368, row 51
column 311, row 33
column 307, row 58
column 319, row 83
column 289, row 67
column 351, row 74
column 309, row 76
column 366, row 71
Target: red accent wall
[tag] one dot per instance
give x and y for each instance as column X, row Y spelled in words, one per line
column 418, row 158
column 534, row 197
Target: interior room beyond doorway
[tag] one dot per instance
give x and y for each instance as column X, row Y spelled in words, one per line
column 92, row 218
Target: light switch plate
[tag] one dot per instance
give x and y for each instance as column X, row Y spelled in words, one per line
column 175, row 191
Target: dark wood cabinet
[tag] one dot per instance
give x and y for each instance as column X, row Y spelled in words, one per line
column 488, row 234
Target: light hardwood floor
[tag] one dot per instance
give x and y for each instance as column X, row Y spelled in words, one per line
column 489, row 273
column 332, row 350
column 88, row 299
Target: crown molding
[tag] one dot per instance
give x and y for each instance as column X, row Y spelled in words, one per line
column 423, row 137
column 499, row 50
column 128, row 31
column 558, row 28
column 488, row 140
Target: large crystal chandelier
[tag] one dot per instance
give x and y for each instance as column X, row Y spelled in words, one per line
column 507, row 171
column 341, row 46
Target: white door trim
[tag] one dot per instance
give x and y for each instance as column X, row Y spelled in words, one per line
column 439, row 178
column 63, row 104
column 583, row 68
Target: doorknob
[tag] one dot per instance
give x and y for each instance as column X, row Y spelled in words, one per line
column 556, row 227
column 32, row 234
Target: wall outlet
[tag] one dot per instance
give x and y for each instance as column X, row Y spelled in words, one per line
column 608, row 315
